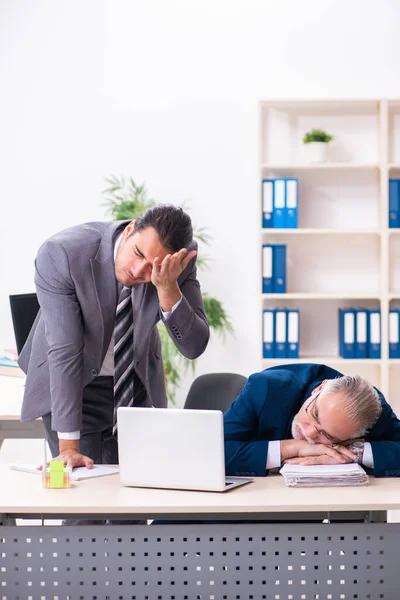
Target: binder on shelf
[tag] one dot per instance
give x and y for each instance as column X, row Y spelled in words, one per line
column 268, row 333
column 267, row 266
column 279, row 269
column 394, row 203
column 291, row 203
column 361, row 349
column 346, row 332
column 394, row 326
column 267, row 202
column 279, row 204
column 280, row 333
column 293, row 333
column 374, row 334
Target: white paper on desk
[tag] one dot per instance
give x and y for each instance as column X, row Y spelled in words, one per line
column 322, row 470
column 324, row 475
column 78, row 473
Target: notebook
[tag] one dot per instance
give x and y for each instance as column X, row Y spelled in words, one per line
column 173, row 448
column 77, row 474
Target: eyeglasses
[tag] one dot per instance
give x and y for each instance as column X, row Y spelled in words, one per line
column 314, row 418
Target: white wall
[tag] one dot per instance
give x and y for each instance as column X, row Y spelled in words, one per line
column 167, row 92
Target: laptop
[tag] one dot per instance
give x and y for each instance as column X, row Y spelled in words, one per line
column 173, row 448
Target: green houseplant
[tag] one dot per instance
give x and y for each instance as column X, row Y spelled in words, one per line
column 126, row 200
column 316, row 141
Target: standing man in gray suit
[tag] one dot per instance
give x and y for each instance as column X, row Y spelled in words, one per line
column 69, row 355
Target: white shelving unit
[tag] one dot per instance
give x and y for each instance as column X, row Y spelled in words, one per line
column 343, row 254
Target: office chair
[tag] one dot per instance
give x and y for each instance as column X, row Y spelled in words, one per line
column 214, row 391
column 24, row 308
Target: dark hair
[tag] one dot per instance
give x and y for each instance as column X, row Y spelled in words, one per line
column 172, row 224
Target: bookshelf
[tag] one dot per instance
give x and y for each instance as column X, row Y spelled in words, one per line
column 343, row 253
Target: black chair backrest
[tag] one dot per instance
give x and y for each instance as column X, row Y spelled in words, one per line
column 24, row 308
column 215, row 391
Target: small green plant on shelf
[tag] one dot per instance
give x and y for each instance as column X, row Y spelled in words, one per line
column 127, row 200
column 317, row 135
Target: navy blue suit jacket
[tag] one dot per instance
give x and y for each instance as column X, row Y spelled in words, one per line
column 264, row 412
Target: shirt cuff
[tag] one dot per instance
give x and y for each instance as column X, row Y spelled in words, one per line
column 274, row 455
column 166, row 315
column 368, row 457
column 71, row 435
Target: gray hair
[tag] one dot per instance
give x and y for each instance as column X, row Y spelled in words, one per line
column 360, row 400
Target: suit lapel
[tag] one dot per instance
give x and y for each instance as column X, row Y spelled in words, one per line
column 105, row 283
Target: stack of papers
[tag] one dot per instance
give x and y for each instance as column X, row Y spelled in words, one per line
column 324, row 475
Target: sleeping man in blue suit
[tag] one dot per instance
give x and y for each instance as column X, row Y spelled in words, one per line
column 309, row 414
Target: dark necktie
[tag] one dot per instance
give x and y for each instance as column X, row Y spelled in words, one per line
column 123, row 353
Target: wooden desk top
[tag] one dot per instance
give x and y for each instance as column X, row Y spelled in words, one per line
column 11, row 393
column 22, row 493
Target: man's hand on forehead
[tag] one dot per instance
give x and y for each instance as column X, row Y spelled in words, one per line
column 166, row 272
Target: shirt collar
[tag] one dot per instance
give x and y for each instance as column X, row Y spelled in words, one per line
column 117, row 243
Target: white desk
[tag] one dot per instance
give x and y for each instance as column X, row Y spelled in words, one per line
column 215, row 561
column 22, row 494
column 11, row 392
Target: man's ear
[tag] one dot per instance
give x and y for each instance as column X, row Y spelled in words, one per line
column 319, row 387
column 129, row 229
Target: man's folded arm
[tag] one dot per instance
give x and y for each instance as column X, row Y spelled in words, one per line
column 384, row 438
column 246, row 458
column 244, row 453
column 386, row 458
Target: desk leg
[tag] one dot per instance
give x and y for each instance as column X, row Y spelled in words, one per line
column 7, row 521
column 376, row 516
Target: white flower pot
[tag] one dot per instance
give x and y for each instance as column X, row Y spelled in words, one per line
column 316, row 151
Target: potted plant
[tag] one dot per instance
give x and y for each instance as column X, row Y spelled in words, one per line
column 126, row 200
column 316, row 141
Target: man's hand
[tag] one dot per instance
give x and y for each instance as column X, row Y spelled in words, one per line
column 324, row 459
column 74, row 458
column 70, row 455
column 340, row 454
column 165, row 275
column 295, row 451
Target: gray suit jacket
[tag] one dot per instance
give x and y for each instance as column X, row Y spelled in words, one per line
column 77, row 293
